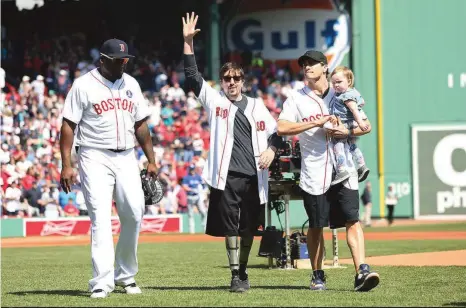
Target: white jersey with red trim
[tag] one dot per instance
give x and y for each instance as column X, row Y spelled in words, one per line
column 105, row 112
column 316, row 149
column 222, row 119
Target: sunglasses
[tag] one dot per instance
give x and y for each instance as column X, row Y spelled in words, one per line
column 116, row 60
column 235, row 78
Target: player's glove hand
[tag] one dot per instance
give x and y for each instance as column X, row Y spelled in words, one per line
column 152, row 187
column 152, row 170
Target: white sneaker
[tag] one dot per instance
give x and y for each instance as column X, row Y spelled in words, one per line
column 132, row 288
column 340, row 177
column 99, row 293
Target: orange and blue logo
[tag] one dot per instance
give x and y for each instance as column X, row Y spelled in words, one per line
column 283, row 30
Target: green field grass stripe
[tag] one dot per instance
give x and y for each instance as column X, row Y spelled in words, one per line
column 197, row 274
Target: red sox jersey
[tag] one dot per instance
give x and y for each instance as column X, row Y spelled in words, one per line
column 104, row 111
column 316, row 148
column 222, row 119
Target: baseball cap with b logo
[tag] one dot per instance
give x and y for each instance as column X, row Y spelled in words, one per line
column 115, row 48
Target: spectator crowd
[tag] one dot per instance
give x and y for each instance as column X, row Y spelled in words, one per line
column 31, row 120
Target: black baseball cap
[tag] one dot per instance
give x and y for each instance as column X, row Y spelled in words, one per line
column 115, row 48
column 314, row 55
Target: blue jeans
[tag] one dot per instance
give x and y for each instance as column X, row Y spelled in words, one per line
column 196, row 201
column 188, row 155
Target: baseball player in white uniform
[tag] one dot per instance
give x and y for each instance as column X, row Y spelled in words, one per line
column 304, row 113
column 243, row 136
column 107, row 108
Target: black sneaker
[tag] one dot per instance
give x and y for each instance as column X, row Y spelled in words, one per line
column 243, row 285
column 243, row 276
column 238, row 285
column 318, row 281
column 365, row 280
column 234, row 284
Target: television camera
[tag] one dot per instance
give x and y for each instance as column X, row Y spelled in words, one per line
column 287, row 160
column 285, row 171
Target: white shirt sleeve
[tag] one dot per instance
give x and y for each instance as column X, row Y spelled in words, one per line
column 289, row 111
column 142, row 110
column 270, row 122
column 73, row 107
column 208, row 95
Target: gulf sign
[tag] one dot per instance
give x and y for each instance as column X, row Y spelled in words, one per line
column 284, row 30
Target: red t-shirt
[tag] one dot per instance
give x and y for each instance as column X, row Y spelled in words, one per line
column 5, row 177
column 17, row 154
column 181, row 171
column 179, row 130
column 70, row 209
column 169, row 137
column 195, row 129
column 182, row 198
column 53, row 171
column 27, row 182
column 161, row 129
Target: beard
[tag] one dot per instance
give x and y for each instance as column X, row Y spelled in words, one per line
column 116, row 73
column 232, row 90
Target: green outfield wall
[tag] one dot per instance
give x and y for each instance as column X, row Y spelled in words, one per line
column 11, row 227
column 423, row 82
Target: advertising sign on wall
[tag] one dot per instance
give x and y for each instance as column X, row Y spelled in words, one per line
column 82, row 225
column 439, row 171
column 284, row 30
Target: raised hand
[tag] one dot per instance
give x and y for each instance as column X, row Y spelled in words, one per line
column 189, row 26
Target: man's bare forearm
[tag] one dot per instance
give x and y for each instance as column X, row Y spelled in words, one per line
column 145, row 141
column 287, row 128
column 188, row 47
column 66, row 141
column 359, row 132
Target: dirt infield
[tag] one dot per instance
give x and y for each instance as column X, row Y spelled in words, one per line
column 412, row 222
column 172, row 238
column 438, row 258
column 416, row 259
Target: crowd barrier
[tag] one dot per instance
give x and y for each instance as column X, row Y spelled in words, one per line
column 175, row 223
column 73, row 226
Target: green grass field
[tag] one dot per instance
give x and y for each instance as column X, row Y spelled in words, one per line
column 425, row 227
column 196, row 274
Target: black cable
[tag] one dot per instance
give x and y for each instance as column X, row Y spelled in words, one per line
column 279, row 220
column 279, row 208
column 302, row 228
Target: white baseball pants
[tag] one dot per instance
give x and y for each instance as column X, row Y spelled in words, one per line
column 106, row 175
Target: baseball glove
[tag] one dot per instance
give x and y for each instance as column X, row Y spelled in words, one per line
column 152, row 187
